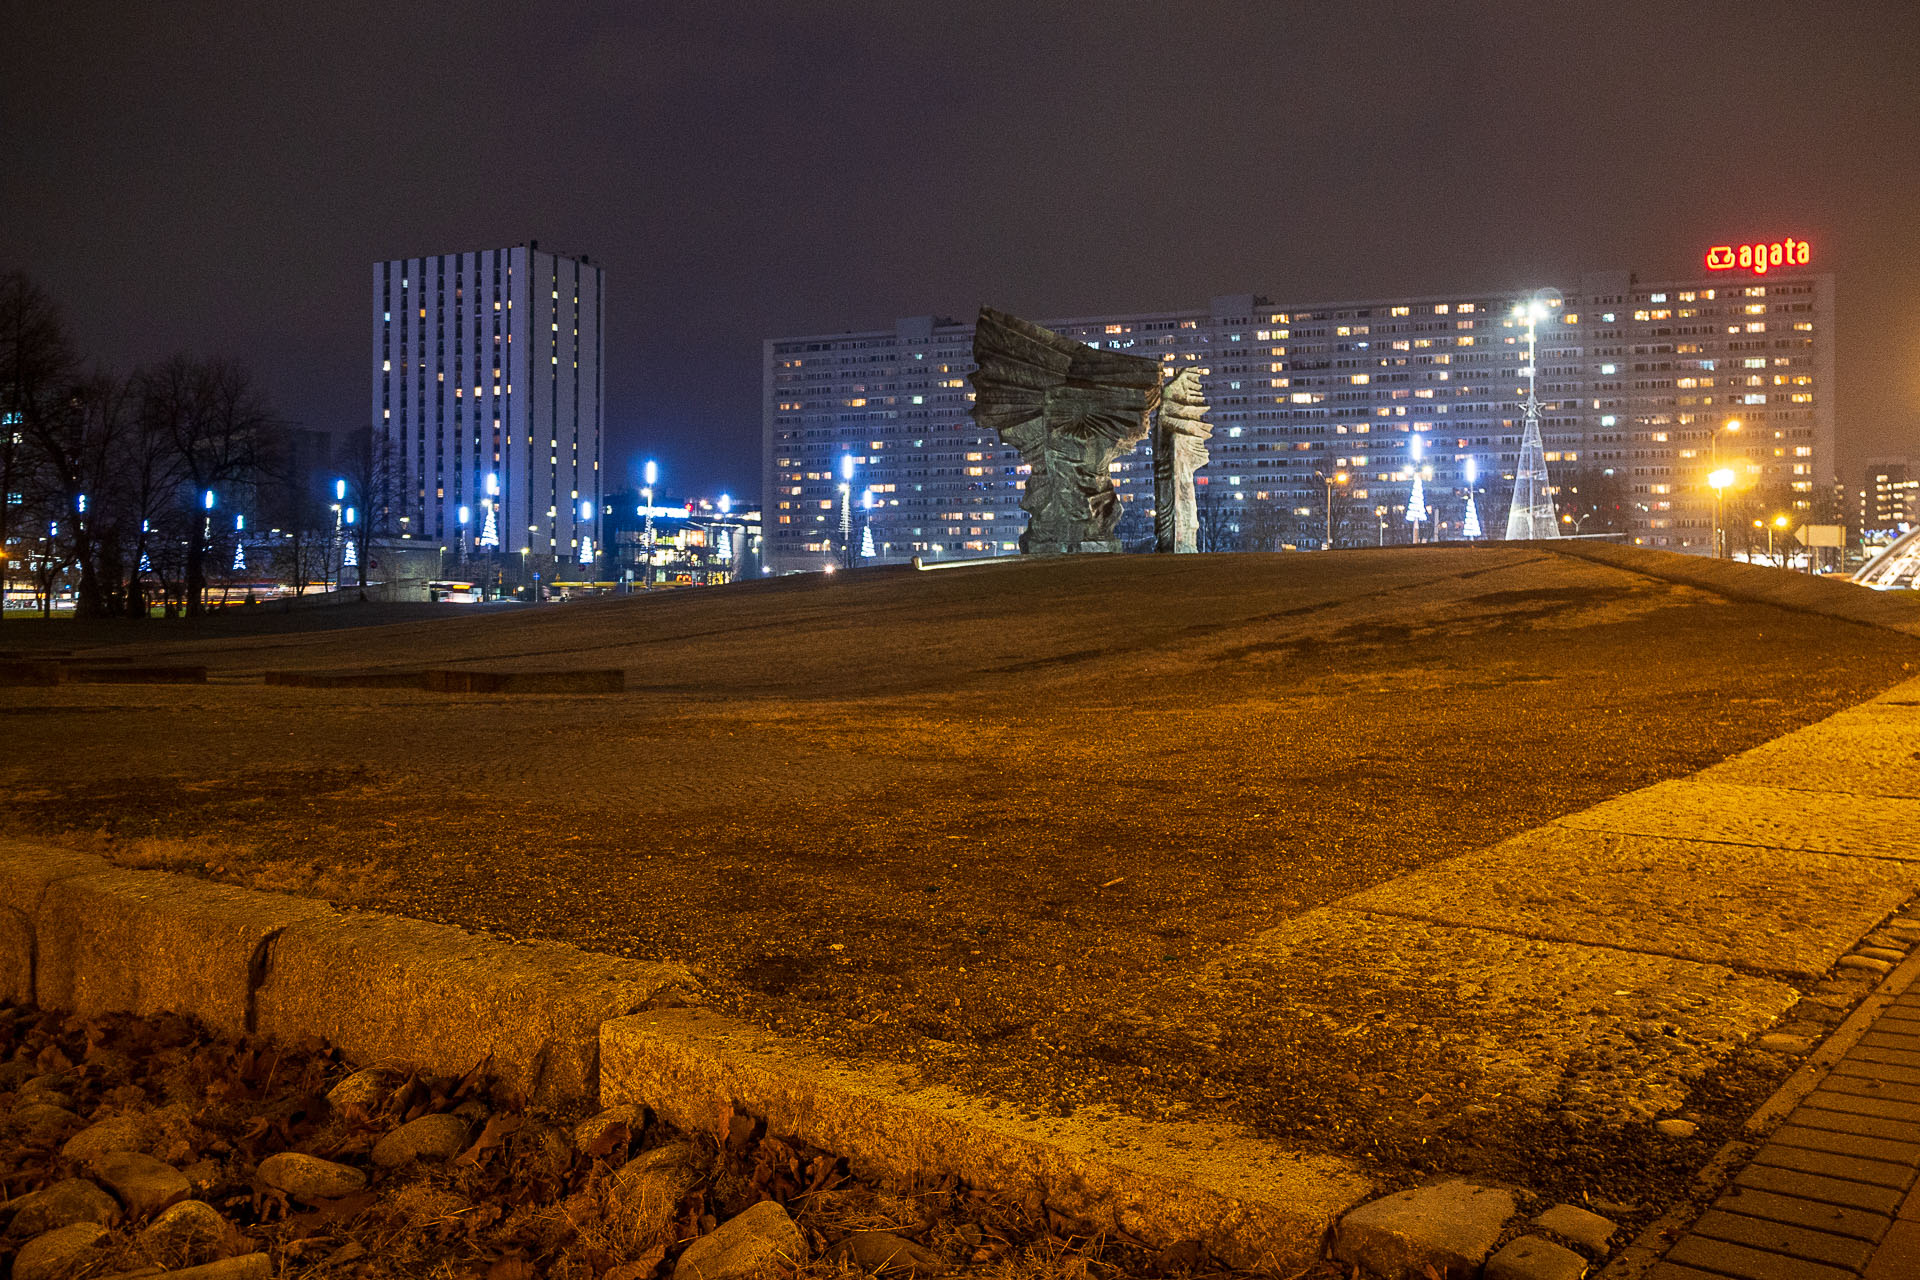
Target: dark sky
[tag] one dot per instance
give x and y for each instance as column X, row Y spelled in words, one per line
column 220, row 176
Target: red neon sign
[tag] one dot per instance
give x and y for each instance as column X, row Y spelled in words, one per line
column 1758, row 258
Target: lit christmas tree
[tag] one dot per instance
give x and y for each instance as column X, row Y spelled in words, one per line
column 239, row 558
column 352, row 557
column 1472, row 527
column 586, row 551
column 1531, row 515
column 490, row 536
column 866, row 543
column 1417, row 500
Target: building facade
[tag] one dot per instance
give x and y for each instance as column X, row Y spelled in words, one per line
column 1323, row 412
column 488, row 393
column 1890, row 497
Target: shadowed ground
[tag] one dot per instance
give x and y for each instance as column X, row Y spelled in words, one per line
column 1005, row 823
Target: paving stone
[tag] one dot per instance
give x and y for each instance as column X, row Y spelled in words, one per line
column 1848, row 1144
column 1881, row 1038
column 1898, row 1257
column 1885, row 1072
column 1795, row 1211
column 1892, row 1057
column 1883, row 953
column 1775, row 818
column 1674, row 1271
column 1783, row 911
column 1910, row 1207
column 1535, row 1258
column 1865, row 964
column 1792, row 1182
column 1452, row 1225
column 1882, row 1173
column 1815, row 1117
column 1750, row 1264
column 1775, row 1237
column 1586, row 1229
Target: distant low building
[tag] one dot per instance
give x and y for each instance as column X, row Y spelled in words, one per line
column 705, row 542
column 1890, row 497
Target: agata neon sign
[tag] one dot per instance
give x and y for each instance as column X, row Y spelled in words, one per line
column 1758, row 258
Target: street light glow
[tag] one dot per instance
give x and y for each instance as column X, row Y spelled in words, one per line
column 652, row 473
column 339, row 491
column 207, row 499
column 1722, row 479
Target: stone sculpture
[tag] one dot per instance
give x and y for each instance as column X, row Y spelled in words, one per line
column 1180, row 438
column 1070, row 410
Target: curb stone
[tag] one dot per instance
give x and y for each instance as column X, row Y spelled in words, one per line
column 569, row 1026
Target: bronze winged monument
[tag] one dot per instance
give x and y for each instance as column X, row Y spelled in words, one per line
column 1180, row 436
column 1070, row 410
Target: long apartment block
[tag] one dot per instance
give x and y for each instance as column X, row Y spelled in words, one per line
column 1636, row 379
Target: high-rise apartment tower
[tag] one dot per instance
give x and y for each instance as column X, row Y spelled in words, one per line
column 487, row 387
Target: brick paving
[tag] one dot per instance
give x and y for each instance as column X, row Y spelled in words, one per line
column 1832, row 1195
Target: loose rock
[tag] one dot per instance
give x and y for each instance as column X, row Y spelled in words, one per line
column 1675, row 1128
column 309, row 1178
column 44, row 1117
column 1865, row 962
column 1778, row 1042
column 144, row 1184
column 1535, row 1258
column 648, row 1188
column 885, row 1253
column 54, row 1255
column 60, row 1205
column 589, row 1130
column 115, row 1133
column 1452, row 1225
column 363, row 1091
column 1588, row 1230
column 744, row 1246
column 435, row 1137
column 1882, row 953
column 251, row 1266
column 188, row 1232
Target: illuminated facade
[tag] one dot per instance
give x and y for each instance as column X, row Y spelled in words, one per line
column 487, row 386
column 1631, row 379
column 1890, row 498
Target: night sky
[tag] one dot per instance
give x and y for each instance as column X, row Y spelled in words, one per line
column 219, row 177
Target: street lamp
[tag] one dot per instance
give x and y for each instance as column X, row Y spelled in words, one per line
column 1720, row 480
column 652, row 474
column 1713, row 463
column 1780, row 523
column 1338, row 477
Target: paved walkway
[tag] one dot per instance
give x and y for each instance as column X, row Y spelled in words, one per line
column 1832, row 1194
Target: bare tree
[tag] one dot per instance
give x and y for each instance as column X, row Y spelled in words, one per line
column 36, row 368
column 215, row 420
column 371, row 464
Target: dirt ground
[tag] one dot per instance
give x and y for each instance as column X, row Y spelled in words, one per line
column 997, row 822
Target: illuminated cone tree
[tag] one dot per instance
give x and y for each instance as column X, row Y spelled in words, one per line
column 1532, row 514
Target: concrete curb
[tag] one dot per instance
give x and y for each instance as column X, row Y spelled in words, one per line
column 1255, row 1205
column 568, row 1026
column 80, row 935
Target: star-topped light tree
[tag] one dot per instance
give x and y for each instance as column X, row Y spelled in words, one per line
column 1416, row 500
column 1532, row 514
column 1471, row 527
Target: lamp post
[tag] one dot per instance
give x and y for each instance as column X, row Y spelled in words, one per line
column 1380, row 514
column 1713, row 466
column 652, row 474
column 846, row 509
column 1780, row 523
column 1719, row 480
column 1338, row 477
